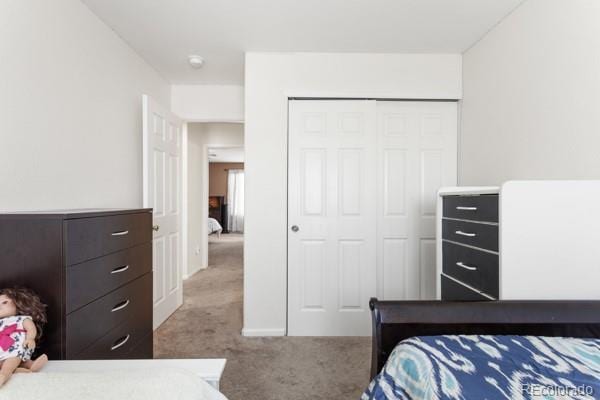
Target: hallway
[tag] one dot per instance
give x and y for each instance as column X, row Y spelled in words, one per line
column 209, row 323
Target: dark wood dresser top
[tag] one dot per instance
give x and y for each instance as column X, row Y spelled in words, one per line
column 71, row 214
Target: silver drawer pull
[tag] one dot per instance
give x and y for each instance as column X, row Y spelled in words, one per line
column 466, row 208
column 465, row 266
column 120, row 233
column 120, row 269
column 120, row 305
column 120, row 342
column 461, row 233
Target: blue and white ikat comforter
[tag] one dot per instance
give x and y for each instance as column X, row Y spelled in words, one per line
column 489, row 367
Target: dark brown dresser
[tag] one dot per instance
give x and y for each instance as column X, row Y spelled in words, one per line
column 94, row 270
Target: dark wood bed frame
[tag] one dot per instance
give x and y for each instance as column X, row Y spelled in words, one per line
column 394, row 321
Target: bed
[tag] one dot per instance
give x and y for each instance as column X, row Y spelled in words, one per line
column 214, row 227
column 485, row 350
column 190, row 379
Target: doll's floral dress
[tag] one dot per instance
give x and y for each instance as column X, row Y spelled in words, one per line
column 12, row 338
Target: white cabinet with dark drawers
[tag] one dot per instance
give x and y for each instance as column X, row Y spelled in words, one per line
column 523, row 240
column 469, row 242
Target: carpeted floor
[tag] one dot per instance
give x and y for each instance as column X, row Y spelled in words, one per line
column 281, row 368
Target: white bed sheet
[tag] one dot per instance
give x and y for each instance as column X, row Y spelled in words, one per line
column 214, row 226
column 137, row 384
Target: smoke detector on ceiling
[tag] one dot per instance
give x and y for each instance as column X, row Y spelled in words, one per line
column 196, row 61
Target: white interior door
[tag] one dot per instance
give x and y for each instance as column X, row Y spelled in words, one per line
column 417, row 152
column 331, row 253
column 362, row 184
column 162, row 191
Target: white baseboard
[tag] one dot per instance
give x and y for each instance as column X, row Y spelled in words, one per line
column 193, row 270
column 262, row 332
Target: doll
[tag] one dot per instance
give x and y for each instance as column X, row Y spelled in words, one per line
column 22, row 316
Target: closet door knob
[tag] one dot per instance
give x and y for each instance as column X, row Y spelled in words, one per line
column 295, row 228
column 156, row 228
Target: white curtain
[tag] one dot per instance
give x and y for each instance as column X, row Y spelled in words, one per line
column 235, row 200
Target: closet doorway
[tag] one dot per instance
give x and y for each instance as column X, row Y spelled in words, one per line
column 363, row 177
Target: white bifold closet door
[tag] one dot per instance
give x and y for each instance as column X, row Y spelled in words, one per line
column 362, row 183
column 332, row 213
column 417, row 155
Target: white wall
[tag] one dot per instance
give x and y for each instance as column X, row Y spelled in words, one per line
column 270, row 79
column 531, row 96
column 200, row 137
column 208, row 103
column 71, row 109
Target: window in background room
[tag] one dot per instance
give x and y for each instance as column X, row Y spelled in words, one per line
column 235, row 200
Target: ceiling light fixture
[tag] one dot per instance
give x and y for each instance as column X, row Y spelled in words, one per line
column 196, row 61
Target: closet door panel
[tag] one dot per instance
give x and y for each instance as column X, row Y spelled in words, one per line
column 331, row 217
column 362, row 183
column 416, row 149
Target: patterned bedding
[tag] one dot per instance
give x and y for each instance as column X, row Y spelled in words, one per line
column 489, row 367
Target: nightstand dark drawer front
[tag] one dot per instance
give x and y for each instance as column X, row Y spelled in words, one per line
column 454, row 291
column 122, row 342
column 484, row 236
column 475, row 208
column 88, row 238
column 91, row 280
column 132, row 302
column 476, row 268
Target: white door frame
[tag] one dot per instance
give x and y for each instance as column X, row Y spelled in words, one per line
column 206, row 193
column 184, row 190
column 298, row 95
column 185, row 205
column 184, row 200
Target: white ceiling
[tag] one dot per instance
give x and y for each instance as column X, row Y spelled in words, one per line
column 229, row 154
column 164, row 33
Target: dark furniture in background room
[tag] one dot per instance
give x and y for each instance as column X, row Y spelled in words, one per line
column 394, row 321
column 217, row 209
column 93, row 268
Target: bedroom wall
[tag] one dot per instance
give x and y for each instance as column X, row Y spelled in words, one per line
column 208, row 103
column 200, row 137
column 217, row 180
column 530, row 104
column 272, row 77
column 71, row 109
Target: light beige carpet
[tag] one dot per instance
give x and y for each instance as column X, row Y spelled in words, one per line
column 282, row 368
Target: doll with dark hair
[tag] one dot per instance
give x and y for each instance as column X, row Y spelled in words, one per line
column 22, row 316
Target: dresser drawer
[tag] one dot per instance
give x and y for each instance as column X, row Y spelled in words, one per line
column 126, row 341
column 132, row 302
column 454, row 291
column 93, row 279
column 476, row 268
column 88, row 238
column 475, row 208
column 144, row 349
column 484, row 236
